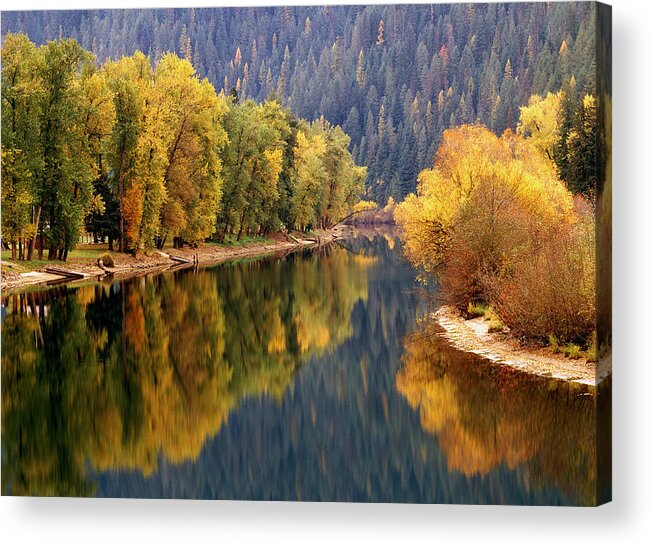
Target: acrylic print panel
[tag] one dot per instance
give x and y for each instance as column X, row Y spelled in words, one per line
column 347, row 253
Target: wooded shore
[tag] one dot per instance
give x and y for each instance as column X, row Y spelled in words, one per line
column 127, row 265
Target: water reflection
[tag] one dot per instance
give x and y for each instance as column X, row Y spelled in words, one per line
column 486, row 416
column 117, row 375
column 300, row 378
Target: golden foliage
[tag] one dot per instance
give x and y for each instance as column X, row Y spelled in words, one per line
column 363, row 205
column 487, row 418
column 539, row 121
column 488, row 207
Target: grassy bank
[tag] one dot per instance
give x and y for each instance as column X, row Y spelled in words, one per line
column 83, row 259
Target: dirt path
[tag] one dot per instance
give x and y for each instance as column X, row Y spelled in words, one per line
column 129, row 266
column 473, row 336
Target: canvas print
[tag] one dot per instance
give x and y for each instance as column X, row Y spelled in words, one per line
column 308, row 253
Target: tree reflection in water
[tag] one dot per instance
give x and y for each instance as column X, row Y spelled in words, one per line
column 115, row 375
column 485, row 416
column 301, row 378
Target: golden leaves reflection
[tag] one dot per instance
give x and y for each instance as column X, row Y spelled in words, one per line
column 484, row 417
column 154, row 366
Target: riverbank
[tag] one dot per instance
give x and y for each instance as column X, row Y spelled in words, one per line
column 472, row 335
column 17, row 275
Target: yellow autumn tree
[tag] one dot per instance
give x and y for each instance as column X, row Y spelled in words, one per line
column 192, row 176
column 466, row 156
column 129, row 79
column 539, row 122
column 487, row 204
column 310, row 174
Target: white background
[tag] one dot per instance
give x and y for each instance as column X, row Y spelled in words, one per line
column 627, row 520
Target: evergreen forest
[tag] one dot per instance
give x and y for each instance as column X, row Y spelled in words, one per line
column 394, row 77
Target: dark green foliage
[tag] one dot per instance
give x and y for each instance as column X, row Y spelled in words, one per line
column 566, row 114
column 468, row 62
column 105, row 225
column 575, row 150
column 65, row 181
column 582, row 149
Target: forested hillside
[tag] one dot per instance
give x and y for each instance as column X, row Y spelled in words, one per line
column 394, row 77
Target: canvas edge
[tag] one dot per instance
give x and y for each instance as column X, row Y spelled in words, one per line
column 603, row 204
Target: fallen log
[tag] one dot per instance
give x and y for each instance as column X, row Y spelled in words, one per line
column 180, row 260
column 70, row 275
column 306, row 240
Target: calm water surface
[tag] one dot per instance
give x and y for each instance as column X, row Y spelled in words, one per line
column 304, row 377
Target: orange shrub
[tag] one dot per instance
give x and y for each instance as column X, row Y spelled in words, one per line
column 494, row 223
column 551, row 292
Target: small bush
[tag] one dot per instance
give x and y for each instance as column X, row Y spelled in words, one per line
column 490, row 314
column 477, row 309
column 592, row 353
column 495, row 325
column 572, row 350
column 107, row 260
column 554, row 344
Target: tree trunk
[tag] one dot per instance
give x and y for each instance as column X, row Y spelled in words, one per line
column 32, row 244
column 226, row 221
column 121, row 192
column 349, row 216
column 41, row 244
column 13, row 250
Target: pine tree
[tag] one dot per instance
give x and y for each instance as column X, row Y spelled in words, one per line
column 380, row 33
column 470, row 51
column 184, row 44
column 508, row 71
column 360, row 69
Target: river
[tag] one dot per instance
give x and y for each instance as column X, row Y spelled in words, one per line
column 309, row 376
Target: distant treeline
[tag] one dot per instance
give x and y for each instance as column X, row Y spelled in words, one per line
column 144, row 153
column 393, row 76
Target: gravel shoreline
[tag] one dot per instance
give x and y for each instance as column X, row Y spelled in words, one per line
column 473, row 336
